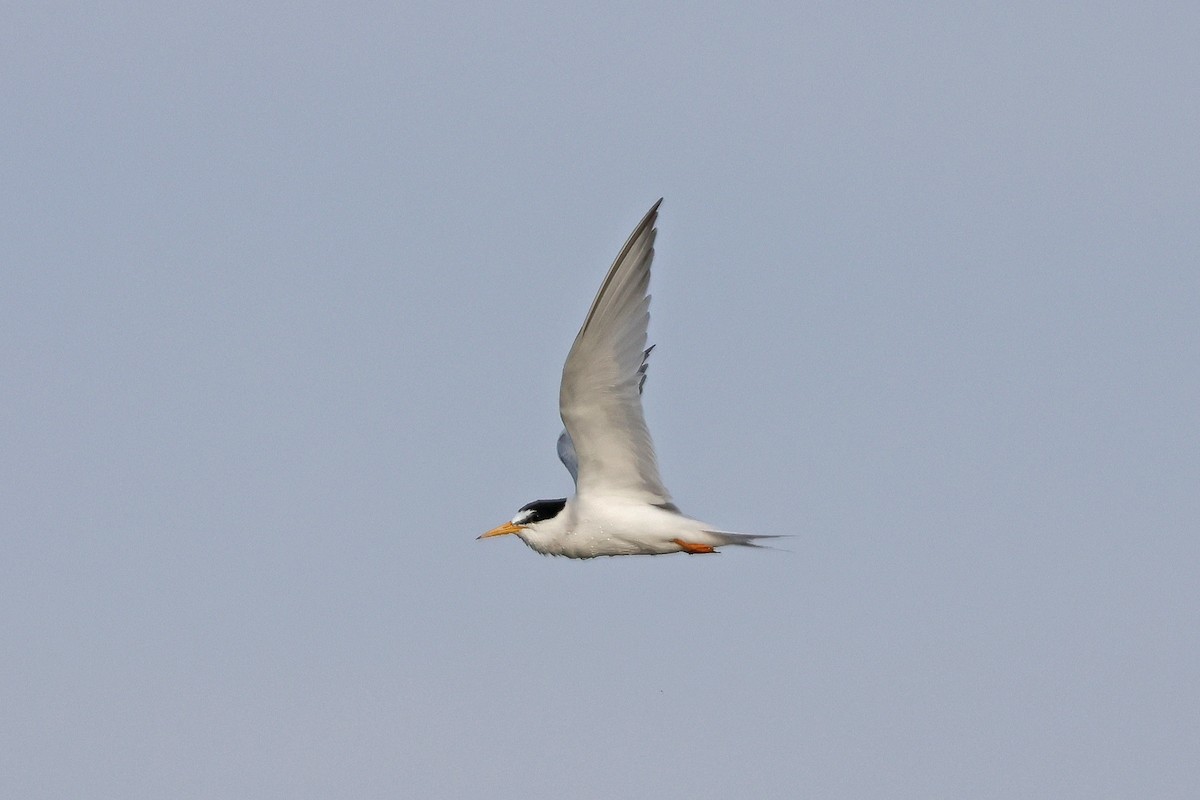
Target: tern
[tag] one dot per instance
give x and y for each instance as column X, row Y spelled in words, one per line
column 620, row 507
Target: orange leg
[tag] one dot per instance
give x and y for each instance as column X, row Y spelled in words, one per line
column 690, row 547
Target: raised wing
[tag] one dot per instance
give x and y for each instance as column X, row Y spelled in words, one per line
column 600, row 396
column 566, row 447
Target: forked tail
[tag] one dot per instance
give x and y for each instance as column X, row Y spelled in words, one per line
column 742, row 539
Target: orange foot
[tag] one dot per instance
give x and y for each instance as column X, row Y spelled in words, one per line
column 690, row 547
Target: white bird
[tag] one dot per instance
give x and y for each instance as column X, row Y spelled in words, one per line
column 620, row 506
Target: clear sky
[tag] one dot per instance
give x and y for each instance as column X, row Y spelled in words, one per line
column 285, row 291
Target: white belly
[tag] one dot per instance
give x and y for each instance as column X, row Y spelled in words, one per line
column 617, row 528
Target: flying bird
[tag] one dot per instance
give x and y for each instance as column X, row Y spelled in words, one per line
column 620, row 507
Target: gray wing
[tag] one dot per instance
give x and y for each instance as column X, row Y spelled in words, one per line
column 566, row 447
column 566, row 454
column 600, row 395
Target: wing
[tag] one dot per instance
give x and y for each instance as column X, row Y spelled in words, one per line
column 566, row 447
column 566, row 454
column 600, row 396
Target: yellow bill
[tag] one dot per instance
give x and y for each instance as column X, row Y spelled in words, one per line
column 507, row 527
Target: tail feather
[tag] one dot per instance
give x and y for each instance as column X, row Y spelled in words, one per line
column 742, row 539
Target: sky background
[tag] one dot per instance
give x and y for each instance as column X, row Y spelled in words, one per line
column 285, row 292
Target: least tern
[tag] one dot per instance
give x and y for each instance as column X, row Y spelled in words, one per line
column 620, row 507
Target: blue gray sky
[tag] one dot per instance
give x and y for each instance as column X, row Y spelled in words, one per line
column 284, row 296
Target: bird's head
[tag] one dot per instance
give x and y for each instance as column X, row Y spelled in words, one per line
column 529, row 517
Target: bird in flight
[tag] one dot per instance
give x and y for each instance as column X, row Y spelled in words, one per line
column 620, row 507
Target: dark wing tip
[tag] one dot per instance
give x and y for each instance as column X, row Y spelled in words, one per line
column 653, row 212
column 644, row 228
column 649, row 219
